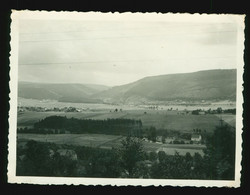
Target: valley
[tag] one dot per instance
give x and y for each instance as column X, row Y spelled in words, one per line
column 88, row 125
column 181, row 105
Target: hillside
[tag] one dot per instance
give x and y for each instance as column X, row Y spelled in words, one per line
column 214, row 85
column 202, row 85
column 62, row 92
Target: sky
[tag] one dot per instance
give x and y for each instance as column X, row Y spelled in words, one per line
column 116, row 52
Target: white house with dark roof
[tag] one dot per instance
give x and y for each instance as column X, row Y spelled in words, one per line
column 196, row 138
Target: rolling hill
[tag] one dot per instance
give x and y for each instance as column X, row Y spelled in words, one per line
column 79, row 93
column 214, row 85
column 202, row 85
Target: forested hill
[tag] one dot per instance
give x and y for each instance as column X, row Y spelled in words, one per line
column 61, row 92
column 215, row 85
column 202, row 85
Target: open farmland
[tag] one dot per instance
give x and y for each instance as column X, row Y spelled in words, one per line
column 159, row 119
column 110, row 141
column 91, row 140
column 228, row 118
column 167, row 120
column 28, row 118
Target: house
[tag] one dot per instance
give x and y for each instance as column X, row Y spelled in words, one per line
column 159, row 138
column 196, row 138
column 201, row 113
column 148, row 163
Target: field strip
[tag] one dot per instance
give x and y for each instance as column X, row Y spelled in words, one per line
column 172, row 151
column 184, row 146
column 227, row 118
column 109, row 141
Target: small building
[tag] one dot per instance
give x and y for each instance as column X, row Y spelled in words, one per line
column 159, row 138
column 148, row 163
column 196, row 138
column 202, row 113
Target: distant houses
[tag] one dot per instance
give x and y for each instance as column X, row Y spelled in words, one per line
column 196, row 138
column 45, row 109
column 201, row 112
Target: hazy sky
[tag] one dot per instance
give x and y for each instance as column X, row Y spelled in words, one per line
column 118, row 52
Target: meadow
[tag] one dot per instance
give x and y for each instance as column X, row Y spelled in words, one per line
column 109, row 142
column 158, row 119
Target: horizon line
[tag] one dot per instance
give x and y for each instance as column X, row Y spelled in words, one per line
column 35, row 82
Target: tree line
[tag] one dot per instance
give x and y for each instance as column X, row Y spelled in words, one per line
column 219, row 110
column 60, row 124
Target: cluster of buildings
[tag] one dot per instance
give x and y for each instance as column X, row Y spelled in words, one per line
column 44, row 109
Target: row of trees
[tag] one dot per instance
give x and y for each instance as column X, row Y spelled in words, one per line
column 219, row 110
column 131, row 161
column 62, row 124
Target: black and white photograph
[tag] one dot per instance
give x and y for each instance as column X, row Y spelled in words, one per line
column 126, row 98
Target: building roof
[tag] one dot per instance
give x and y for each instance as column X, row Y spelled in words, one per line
column 196, row 136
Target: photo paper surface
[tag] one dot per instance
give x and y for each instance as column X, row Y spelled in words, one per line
column 126, row 99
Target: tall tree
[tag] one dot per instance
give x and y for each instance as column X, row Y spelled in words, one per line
column 131, row 152
column 152, row 134
column 37, row 160
column 220, row 153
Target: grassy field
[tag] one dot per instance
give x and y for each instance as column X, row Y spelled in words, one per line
column 228, row 118
column 110, row 141
column 165, row 120
column 28, row 118
column 92, row 140
column 159, row 119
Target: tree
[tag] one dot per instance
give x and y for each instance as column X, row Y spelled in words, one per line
column 188, row 157
column 63, row 165
column 130, row 153
column 152, row 134
column 101, row 163
column 219, row 110
column 141, row 170
column 220, row 153
column 161, row 156
column 37, row 160
column 163, row 139
column 152, row 156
